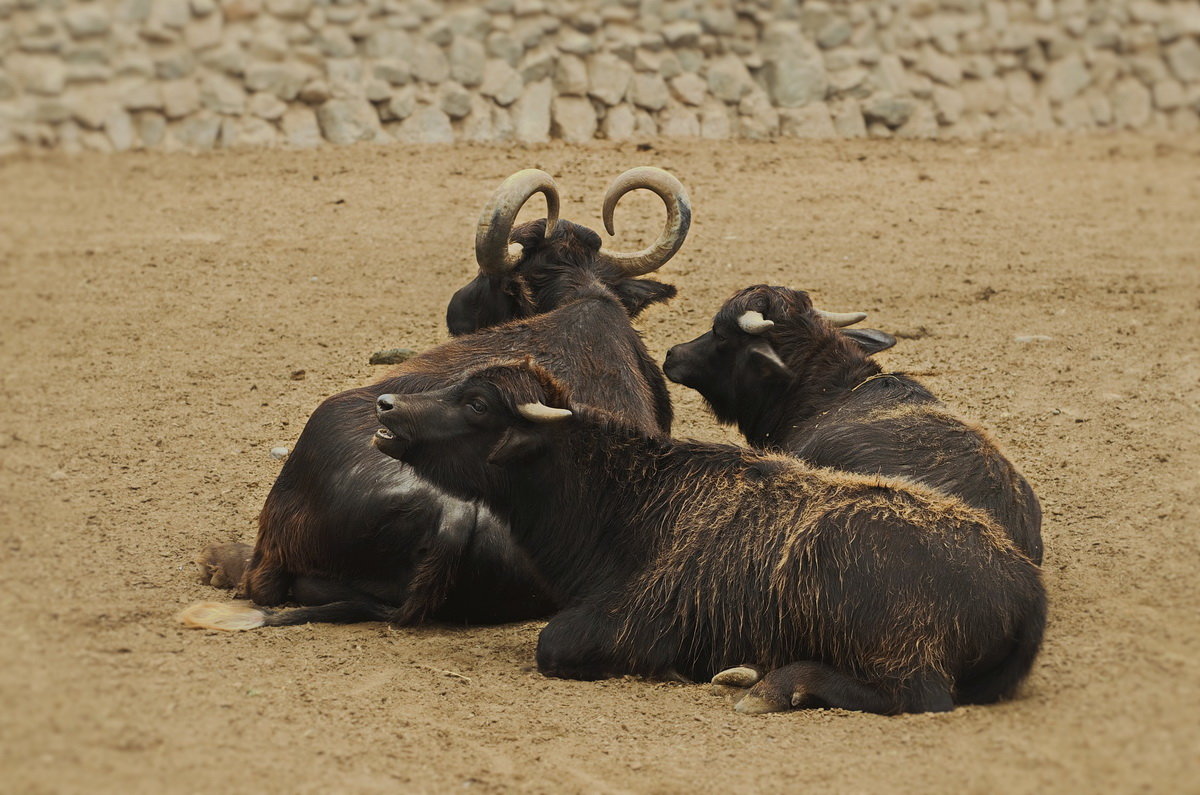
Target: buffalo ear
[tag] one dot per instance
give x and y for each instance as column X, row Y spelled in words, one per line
column 869, row 340
column 766, row 361
column 517, row 444
column 637, row 294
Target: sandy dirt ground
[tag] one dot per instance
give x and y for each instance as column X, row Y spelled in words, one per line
column 154, row 308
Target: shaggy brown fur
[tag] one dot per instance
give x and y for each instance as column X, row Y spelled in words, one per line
column 686, row 558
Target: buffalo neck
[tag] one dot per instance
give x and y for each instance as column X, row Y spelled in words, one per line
column 825, row 369
column 596, row 505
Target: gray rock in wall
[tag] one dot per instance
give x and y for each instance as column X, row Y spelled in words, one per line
column 689, row 88
column 501, row 82
column 345, row 121
column 39, row 74
column 1066, row 78
column 90, row 109
column 679, row 122
column 728, row 79
column 848, row 120
column 811, row 121
column 1184, row 58
column 574, row 120
column 428, row 125
column 648, row 91
column 715, row 121
column 888, row 110
column 608, row 78
column 531, row 113
column 118, row 126
column 196, row 74
column 620, row 123
column 467, row 59
column 454, row 100
column 1131, row 104
column 151, row 128
column 267, row 106
column 394, row 71
column 429, row 63
column 757, row 117
column 88, row 20
column 223, row 95
column 571, row 76
column 402, row 105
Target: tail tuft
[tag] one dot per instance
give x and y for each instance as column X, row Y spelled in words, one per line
column 227, row 616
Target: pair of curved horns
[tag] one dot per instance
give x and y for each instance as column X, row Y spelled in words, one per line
column 755, row 323
column 497, row 256
column 540, row 412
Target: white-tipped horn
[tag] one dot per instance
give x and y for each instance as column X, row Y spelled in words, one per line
column 540, row 412
column 842, row 319
column 754, row 323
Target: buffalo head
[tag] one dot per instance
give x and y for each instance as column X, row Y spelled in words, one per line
column 531, row 269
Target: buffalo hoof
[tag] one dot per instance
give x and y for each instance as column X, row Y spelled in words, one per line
column 742, row 676
column 760, row 703
column 222, row 565
column 732, row 682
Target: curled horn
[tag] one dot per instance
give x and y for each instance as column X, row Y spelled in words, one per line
column 842, row 319
column 754, row 323
column 540, row 412
column 679, row 219
column 492, row 250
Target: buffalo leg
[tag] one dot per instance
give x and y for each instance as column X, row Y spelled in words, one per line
column 928, row 693
column 265, row 582
column 813, row 684
column 573, row 644
column 223, row 565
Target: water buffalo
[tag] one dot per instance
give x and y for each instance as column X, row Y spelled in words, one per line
column 795, row 380
column 681, row 559
column 354, row 535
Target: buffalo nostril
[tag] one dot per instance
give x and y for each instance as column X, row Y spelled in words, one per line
column 385, row 403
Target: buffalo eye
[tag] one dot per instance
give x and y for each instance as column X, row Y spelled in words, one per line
column 477, row 405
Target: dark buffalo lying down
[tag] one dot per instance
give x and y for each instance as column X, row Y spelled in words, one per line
column 682, row 559
column 794, row 382
column 356, row 535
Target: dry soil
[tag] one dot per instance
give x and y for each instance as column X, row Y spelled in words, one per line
column 154, row 312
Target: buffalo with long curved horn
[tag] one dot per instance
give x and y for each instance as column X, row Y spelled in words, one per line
column 357, row 536
column 511, row 261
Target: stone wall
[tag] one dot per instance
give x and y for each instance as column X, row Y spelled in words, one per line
column 198, row 74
